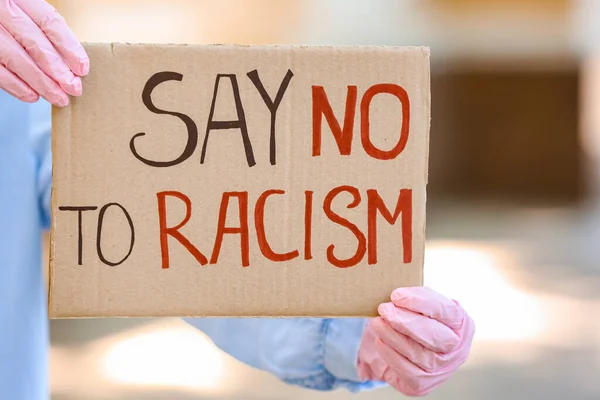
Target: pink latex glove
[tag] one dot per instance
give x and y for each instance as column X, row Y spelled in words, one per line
column 419, row 341
column 39, row 55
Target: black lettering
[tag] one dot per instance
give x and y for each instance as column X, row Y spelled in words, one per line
column 192, row 130
column 99, row 235
column 239, row 124
column 79, row 210
column 271, row 105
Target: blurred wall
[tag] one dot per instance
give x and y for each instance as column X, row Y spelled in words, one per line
column 507, row 135
column 184, row 21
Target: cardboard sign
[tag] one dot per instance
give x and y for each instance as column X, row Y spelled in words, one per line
column 240, row 181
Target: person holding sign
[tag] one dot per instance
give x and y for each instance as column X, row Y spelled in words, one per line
column 419, row 340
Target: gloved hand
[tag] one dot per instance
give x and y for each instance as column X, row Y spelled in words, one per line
column 39, row 55
column 419, row 341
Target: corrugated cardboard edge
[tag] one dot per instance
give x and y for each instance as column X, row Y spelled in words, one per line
column 427, row 106
column 426, row 49
column 55, row 111
column 52, row 219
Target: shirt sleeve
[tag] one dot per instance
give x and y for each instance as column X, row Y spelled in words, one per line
column 317, row 354
column 40, row 123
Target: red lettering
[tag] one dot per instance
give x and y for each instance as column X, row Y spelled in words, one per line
column 365, row 104
column 259, row 221
column 362, row 247
column 242, row 229
column 321, row 106
column 308, row 225
column 174, row 231
column 404, row 207
column 365, row 244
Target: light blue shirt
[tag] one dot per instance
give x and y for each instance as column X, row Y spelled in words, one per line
column 319, row 354
column 25, row 171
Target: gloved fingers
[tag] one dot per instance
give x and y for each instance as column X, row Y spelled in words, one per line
column 428, row 302
column 14, row 57
column 392, row 378
column 413, row 351
column 430, row 333
column 399, row 383
column 55, row 28
column 14, row 86
column 405, row 376
column 39, row 48
column 467, row 334
column 370, row 365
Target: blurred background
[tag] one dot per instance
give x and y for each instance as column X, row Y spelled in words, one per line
column 513, row 211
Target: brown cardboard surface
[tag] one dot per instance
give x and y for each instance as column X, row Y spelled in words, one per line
column 268, row 220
